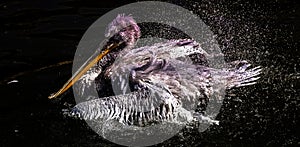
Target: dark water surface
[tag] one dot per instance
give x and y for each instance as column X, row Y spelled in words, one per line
column 39, row 38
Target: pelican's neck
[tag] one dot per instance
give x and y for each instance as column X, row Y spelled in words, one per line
column 126, row 49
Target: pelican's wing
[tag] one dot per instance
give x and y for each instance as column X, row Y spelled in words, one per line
column 163, row 66
column 173, row 49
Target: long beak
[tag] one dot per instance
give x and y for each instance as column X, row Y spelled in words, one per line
column 83, row 69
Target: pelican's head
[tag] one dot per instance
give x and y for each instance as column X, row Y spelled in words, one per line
column 124, row 27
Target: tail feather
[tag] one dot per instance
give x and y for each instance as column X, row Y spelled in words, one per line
column 240, row 75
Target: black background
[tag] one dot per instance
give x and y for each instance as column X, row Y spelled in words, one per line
column 38, row 41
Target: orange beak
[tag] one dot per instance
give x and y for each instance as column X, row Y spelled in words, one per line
column 82, row 70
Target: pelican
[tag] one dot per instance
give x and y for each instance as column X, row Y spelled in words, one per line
column 162, row 84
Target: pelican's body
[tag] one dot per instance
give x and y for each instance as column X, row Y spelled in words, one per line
column 155, row 83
